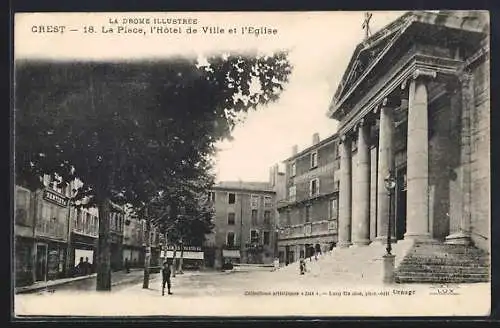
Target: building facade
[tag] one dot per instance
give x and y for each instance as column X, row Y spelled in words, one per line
column 41, row 232
column 414, row 103
column 83, row 239
column 308, row 215
column 134, row 241
column 245, row 228
column 52, row 235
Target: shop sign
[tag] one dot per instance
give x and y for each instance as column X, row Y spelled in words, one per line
column 54, row 197
column 186, row 248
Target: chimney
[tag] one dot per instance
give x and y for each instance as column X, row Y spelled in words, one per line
column 315, row 138
column 271, row 176
column 295, row 150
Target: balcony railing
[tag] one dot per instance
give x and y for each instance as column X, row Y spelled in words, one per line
column 231, row 246
column 51, row 228
column 308, row 229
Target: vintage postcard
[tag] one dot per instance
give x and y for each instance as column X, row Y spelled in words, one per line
column 252, row 164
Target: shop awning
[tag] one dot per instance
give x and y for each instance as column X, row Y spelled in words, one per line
column 187, row 255
column 231, row 253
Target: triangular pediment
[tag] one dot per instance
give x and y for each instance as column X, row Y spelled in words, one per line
column 369, row 52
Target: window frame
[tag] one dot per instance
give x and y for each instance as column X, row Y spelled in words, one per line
column 267, row 220
column 257, row 234
column 234, row 218
column 294, row 197
column 254, row 219
column 293, row 169
column 307, row 213
column 229, row 198
column 268, row 233
column 268, row 201
column 311, row 194
column 234, row 238
column 257, row 199
column 313, row 161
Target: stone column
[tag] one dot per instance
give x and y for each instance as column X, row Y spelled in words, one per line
column 460, row 231
column 344, row 225
column 373, row 193
column 417, row 225
column 385, row 165
column 361, row 194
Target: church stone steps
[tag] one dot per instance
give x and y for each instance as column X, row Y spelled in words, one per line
column 441, row 280
column 435, row 262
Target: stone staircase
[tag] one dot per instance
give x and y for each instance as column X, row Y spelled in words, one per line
column 356, row 264
column 435, row 262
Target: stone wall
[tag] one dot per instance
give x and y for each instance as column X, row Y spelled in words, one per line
column 480, row 156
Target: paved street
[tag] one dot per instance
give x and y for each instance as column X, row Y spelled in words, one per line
column 256, row 293
column 119, row 280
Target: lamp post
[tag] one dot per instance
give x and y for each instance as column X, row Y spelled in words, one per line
column 388, row 273
column 390, row 184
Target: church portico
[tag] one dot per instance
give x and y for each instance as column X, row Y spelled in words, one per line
column 405, row 104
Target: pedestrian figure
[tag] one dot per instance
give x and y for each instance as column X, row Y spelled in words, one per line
column 80, row 268
column 302, row 265
column 87, row 266
column 166, row 271
column 127, row 266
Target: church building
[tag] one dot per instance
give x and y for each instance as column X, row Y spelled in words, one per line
column 414, row 106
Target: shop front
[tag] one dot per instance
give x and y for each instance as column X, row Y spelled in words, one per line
column 134, row 255
column 116, row 247
column 193, row 257
column 83, row 250
column 50, row 260
column 51, row 232
column 24, row 261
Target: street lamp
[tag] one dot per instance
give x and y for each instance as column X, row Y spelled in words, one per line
column 390, row 184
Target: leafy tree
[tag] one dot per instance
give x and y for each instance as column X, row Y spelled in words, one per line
column 130, row 130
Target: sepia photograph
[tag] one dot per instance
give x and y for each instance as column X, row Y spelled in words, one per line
column 256, row 164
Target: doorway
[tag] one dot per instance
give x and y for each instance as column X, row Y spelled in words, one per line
column 401, row 203
column 41, row 262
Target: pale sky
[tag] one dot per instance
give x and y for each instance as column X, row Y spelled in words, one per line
column 321, row 45
column 268, row 134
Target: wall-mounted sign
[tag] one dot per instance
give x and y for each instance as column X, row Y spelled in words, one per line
column 186, row 248
column 332, row 225
column 54, row 197
column 307, row 229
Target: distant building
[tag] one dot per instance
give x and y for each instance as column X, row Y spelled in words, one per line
column 133, row 241
column 84, row 234
column 308, row 215
column 244, row 224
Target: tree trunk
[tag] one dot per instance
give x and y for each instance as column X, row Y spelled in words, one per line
column 174, row 261
column 147, row 258
column 103, row 250
column 181, row 259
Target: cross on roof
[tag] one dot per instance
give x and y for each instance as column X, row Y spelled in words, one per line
column 366, row 24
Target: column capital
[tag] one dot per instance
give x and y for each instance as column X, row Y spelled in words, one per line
column 424, row 72
column 390, row 102
column 361, row 123
column 343, row 138
column 465, row 77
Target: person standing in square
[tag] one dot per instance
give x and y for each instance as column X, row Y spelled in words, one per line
column 166, row 272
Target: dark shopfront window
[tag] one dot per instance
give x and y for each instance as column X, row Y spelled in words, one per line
column 50, row 260
column 24, row 267
column 55, row 262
